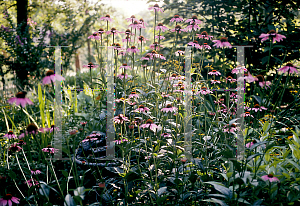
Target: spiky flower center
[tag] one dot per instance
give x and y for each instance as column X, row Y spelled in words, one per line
column 135, row 22
column 141, row 20
column 31, row 128
column 177, row 27
column 141, row 38
column 21, row 142
column 270, row 175
column 132, row 47
column 176, row 16
column 113, row 30
column 229, row 77
column 233, row 125
column 7, row 197
column 159, row 24
column 49, row 146
column 204, row 33
column 49, row 72
column 127, row 31
column 214, row 70
column 124, row 65
column 21, row 94
column 132, row 16
column 174, row 75
column 289, row 65
column 195, row 42
column 107, row 15
column 272, row 32
column 100, row 30
column 149, row 121
column 181, row 88
column 194, row 17
column 247, row 112
column 153, row 51
column 260, row 78
column 133, row 92
column 223, row 39
column 156, row 5
column 169, row 105
column 95, row 34
column 203, row 87
column 254, row 141
column 142, row 106
column 256, row 106
column 147, row 56
column 10, row 132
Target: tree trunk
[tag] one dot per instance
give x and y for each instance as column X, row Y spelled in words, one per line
column 77, row 62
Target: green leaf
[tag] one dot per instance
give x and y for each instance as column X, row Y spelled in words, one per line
column 220, row 188
column 295, row 151
column 266, row 126
column 65, row 173
column 12, row 174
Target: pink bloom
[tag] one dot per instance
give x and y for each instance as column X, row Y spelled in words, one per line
column 35, row 172
column 179, row 53
column 106, row 18
column 215, row 81
column 272, row 34
column 176, row 18
column 89, row 138
column 131, row 19
column 223, row 42
column 257, row 108
column 154, row 46
column 246, row 114
column 95, row 36
column 239, row 69
column 149, row 124
column 204, row 91
column 248, row 77
column 214, row 72
column 289, row 67
column 49, row 149
column 121, row 100
column 121, row 76
column 230, row 79
column 194, row 19
column 15, row 148
column 133, row 49
column 194, row 44
column 141, row 21
column 90, row 65
column 265, row 84
column 162, row 57
column 161, row 27
column 114, row 31
column 204, row 35
column 156, row 8
column 32, row 182
column 137, row 25
column 205, row 46
column 20, row 99
column 51, row 77
column 73, row 132
column 159, row 37
column 166, row 135
column 270, row 177
column 169, row 108
column 191, row 27
column 10, row 135
column 142, row 108
column 133, row 95
column 142, row 39
column 125, row 66
column 120, row 119
column 8, row 199
column 177, row 29
column 121, row 141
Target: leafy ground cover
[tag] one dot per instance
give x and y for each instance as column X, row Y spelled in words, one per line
column 151, row 166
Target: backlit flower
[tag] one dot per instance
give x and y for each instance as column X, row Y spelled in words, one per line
column 161, row 27
column 159, row 37
column 272, row 34
column 125, row 66
column 120, row 119
column 149, row 124
column 194, row 44
column 10, row 135
column 176, row 18
column 136, row 25
column 49, row 149
column 169, row 108
column 204, row 35
column 106, row 18
column 250, row 144
column 204, row 91
column 156, row 8
column 239, row 69
column 248, row 77
column 131, row 19
column 133, row 95
column 177, row 29
column 142, row 39
column 8, row 199
column 166, row 135
column 142, row 108
column 223, row 42
column 270, row 177
column 204, row 46
column 114, row 31
column 31, row 182
column 95, row 36
column 51, row 77
column 257, row 108
column 35, row 172
column 20, row 99
column 289, row 67
column 194, row 19
column 121, row 76
column 214, row 72
column 133, row 49
column 15, row 147
column 179, row 53
column 192, row 26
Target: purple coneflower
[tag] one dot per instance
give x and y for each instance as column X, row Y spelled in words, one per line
column 265, row 84
column 176, row 18
column 35, row 172
column 289, row 67
column 204, row 91
column 89, row 138
column 20, row 99
column 142, row 108
column 177, row 29
column 15, row 148
column 122, row 75
column 133, row 49
column 192, row 26
column 120, row 119
column 166, row 135
column 250, row 144
column 113, row 31
column 161, row 27
column 31, row 129
column 50, row 149
column 272, row 34
column 214, row 72
column 125, row 66
column 161, row 56
column 215, row 81
column 248, row 77
column 230, row 79
column 101, row 31
column 90, row 65
column 194, row 44
column 52, row 77
column 159, row 37
column 8, row 199
column 194, row 19
column 136, row 25
column 21, row 142
column 141, row 21
column 239, row 69
column 131, row 19
column 156, row 8
column 257, row 108
column 204, row 35
column 154, row 46
column 142, row 39
column 121, row 141
column 169, row 108
column 10, row 135
column 246, row 114
column 133, row 95
column 204, row 46
column 223, row 42
column 179, row 53
column 95, row 36
column 31, row 182
column 270, row 177
column 106, row 18
column 149, row 124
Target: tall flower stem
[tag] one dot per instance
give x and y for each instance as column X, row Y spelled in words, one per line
column 154, row 24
